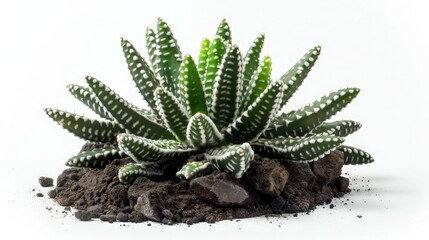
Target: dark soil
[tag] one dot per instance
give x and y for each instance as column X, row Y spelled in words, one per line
column 268, row 187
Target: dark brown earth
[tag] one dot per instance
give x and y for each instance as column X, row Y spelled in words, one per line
column 268, row 187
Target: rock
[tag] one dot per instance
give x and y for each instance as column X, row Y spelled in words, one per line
column 46, row 181
column 328, row 169
column 122, row 217
column 220, row 192
column 167, row 221
column 342, row 184
column 268, row 177
column 83, row 215
column 277, row 203
column 108, row 218
column 39, row 195
column 290, row 208
column 147, row 205
column 52, row 193
column 95, row 210
column 168, row 214
column 301, row 172
column 136, row 217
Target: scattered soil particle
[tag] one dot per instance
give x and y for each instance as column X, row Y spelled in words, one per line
column 46, row 181
column 331, row 206
column 359, row 216
column 39, row 195
column 97, row 193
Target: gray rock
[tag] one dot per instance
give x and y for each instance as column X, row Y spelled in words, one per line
column 122, row 217
column 221, row 192
column 146, row 204
column 108, row 218
column 328, row 169
column 83, row 215
column 46, row 181
column 95, row 210
column 268, row 177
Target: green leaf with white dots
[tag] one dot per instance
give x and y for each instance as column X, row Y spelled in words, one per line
column 97, row 158
column 202, row 132
column 224, row 31
column 85, row 128
column 233, row 159
column 142, row 149
column 125, row 114
column 300, row 122
column 191, row 89
column 227, row 89
column 151, row 46
column 258, row 83
column 296, row 75
column 173, row 115
column 355, row 156
column 215, row 54
column 143, row 77
column 258, row 115
column 341, row 128
column 202, row 58
column 88, row 98
column 194, row 169
column 251, row 60
column 169, row 57
column 297, row 149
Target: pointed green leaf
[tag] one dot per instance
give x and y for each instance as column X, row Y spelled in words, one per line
column 251, row 61
column 224, row 31
column 355, row 156
column 216, row 51
column 194, row 169
column 143, row 77
column 297, row 149
column 128, row 173
column 88, row 98
column 258, row 115
column 142, row 149
column 169, row 57
column 191, row 89
column 202, row 132
column 172, row 113
column 85, row 128
column 258, row 83
column 97, row 158
column 296, row 75
column 234, row 159
column 227, row 89
column 125, row 114
column 338, row 128
column 151, row 46
column 202, row 59
column 300, row 122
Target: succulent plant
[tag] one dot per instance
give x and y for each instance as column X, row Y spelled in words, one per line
column 224, row 105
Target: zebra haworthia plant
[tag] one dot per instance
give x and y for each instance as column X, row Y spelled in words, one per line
column 224, row 105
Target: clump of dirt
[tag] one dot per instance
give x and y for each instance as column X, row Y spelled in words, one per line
column 268, row 187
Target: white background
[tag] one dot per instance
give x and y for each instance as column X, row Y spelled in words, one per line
column 380, row 46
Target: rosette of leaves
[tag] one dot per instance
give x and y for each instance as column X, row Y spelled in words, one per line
column 225, row 105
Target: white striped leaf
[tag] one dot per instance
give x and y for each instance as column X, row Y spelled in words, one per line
column 215, row 54
column 253, row 121
column 224, row 31
column 300, row 122
column 202, row 132
column 85, row 128
column 125, row 114
column 297, row 149
column 233, row 159
column 341, row 128
column 97, row 158
column 251, row 60
column 143, row 76
column 88, row 98
column 296, row 75
column 227, row 89
column 151, row 46
column 194, row 169
column 142, row 149
column 355, row 156
column 202, row 58
column 172, row 113
column 191, row 89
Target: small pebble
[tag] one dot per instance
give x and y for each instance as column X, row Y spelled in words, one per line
column 359, row 216
column 46, row 181
column 39, row 195
column 83, row 215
